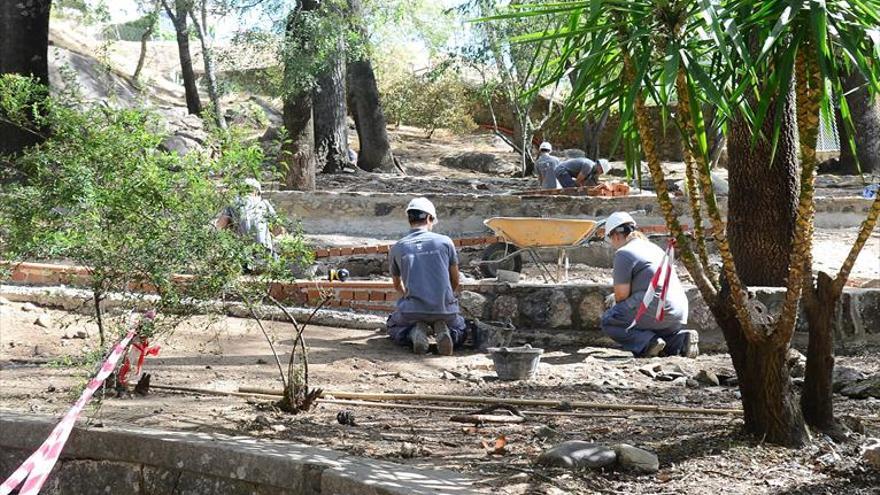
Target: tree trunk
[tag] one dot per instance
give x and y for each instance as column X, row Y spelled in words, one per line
column 24, row 49
column 374, row 154
column 193, row 103
column 331, row 126
column 153, row 20
column 865, row 112
column 770, row 411
column 298, row 151
column 208, row 60
column 762, row 203
column 816, row 397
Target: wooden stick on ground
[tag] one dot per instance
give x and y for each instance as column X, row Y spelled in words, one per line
column 507, row 400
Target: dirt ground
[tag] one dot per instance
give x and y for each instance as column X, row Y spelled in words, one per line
column 698, row 454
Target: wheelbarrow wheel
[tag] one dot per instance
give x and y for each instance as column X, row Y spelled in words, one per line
column 496, row 252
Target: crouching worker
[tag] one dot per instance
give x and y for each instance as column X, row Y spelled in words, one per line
column 636, row 260
column 579, row 172
column 424, row 267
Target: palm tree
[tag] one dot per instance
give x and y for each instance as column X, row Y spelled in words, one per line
column 695, row 52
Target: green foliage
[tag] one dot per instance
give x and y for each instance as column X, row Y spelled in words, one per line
column 99, row 193
column 431, row 100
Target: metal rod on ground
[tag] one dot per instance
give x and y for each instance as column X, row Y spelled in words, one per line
column 504, row 400
column 395, row 405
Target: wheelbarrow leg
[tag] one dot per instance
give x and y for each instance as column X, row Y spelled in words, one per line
column 560, row 261
column 544, row 269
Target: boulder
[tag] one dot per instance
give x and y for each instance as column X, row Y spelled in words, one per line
column 505, row 307
column 707, row 377
column 480, row 162
column 549, row 311
column 635, row 459
column 862, row 389
column 871, row 453
column 179, row 144
column 578, row 454
column 842, row 376
column 473, row 305
column 591, row 308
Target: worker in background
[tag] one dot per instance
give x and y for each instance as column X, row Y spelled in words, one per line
column 424, row 268
column 636, row 259
column 579, row 172
column 545, row 166
column 251, row 216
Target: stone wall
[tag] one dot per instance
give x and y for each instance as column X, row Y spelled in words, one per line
column 128, row 460
column 382, row 215
column 545, row 314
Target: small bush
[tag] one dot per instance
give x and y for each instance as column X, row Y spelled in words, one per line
column 431, row 100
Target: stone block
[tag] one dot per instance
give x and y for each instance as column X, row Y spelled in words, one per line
column 578, row 454
column 549, row 309
column 473, row 305
column 590, row 309
column 505, row 307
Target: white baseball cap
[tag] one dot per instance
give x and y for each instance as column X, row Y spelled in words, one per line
column 545, row 146
column 253, row 184
column 422, row 204
column 604, row 165
column 617, row 219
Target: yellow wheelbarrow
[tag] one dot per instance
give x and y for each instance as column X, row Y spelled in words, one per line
column 529, row 235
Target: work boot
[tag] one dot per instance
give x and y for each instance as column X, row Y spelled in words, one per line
column 655, row 348
column 444, row 338
column 419, row 337
column 691, row 348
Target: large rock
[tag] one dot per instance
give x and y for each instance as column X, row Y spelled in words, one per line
column 871, row 453
column 179, row 144
column 547, row 309
column 505, row 308
column 591, row 308
column 480, row 162
column 578, row 454
column 635, row 459
column 862, row 389
column 473, row 305
column 843, row 376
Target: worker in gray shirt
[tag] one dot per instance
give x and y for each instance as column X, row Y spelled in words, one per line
column 545, row 166
column 636, row 260
column 578, row 172
column 424, row 268
column 251, row 216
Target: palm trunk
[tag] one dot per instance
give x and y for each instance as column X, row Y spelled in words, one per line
column 24, row 49
column 817, row 402
column 865, row 110
column 761, row 243
column 178, row 17
column 331, row 127
column 208, row 60
column 649, row 149
column 808, row 92
column 692, row 124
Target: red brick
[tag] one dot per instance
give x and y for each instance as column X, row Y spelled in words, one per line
column 335, row 251
column 346, row 251
column 359, row 250
column 377, row 295
column 361, row 295
column 322, row 253
column 383, row 249
column 19, row 276
column 372, row 249
column 346, row 295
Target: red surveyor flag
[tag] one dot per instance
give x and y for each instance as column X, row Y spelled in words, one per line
column 665, row 266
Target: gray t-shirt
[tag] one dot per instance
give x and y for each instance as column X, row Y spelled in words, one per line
column 422, row 260
column 545, row 165
column 251, row 215
column 576, row 166
column 635, row 263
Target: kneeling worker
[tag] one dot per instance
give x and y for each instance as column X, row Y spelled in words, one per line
column 636, row 260
column 424, row 267
column 578, row 172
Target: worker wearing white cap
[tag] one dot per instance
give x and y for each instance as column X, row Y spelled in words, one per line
column 250, row 216
column 582, row 171
column 424, row 268
column 636, row 260
column 545, row 167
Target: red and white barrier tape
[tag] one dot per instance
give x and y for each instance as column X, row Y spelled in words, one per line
column 664, row 272
column 34, row 471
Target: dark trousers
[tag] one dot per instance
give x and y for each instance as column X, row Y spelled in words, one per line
column 637, row 340
column 400, row 325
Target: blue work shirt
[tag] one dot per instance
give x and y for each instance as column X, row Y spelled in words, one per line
column 422, row 259
column 576, row 166
column 545, row 165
